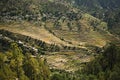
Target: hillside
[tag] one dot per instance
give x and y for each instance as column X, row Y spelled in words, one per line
column 99, row 4
column 63, row 31
column 56, row 17
column 107, row 10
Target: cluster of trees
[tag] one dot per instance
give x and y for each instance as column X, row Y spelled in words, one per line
column 14, row 65
column 54, row 8
column 31, row 8
column 62, row 75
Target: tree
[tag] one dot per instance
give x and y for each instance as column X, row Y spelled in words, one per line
column 57, row 77
column 16, row 62
column 35, row 68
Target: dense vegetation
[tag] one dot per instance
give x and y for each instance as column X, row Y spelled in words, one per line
column 14, row 65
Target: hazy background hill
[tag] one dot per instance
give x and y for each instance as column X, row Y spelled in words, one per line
column 107, row 10
column 98, row 4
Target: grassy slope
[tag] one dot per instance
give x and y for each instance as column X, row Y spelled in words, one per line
column 89, row 34
column 33, row 31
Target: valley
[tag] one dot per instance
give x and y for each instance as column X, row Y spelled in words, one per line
column 59, row 39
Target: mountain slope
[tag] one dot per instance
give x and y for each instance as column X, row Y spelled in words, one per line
column 99, row 4
column 107, row 10
column 56, row 17
column 62, row 31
